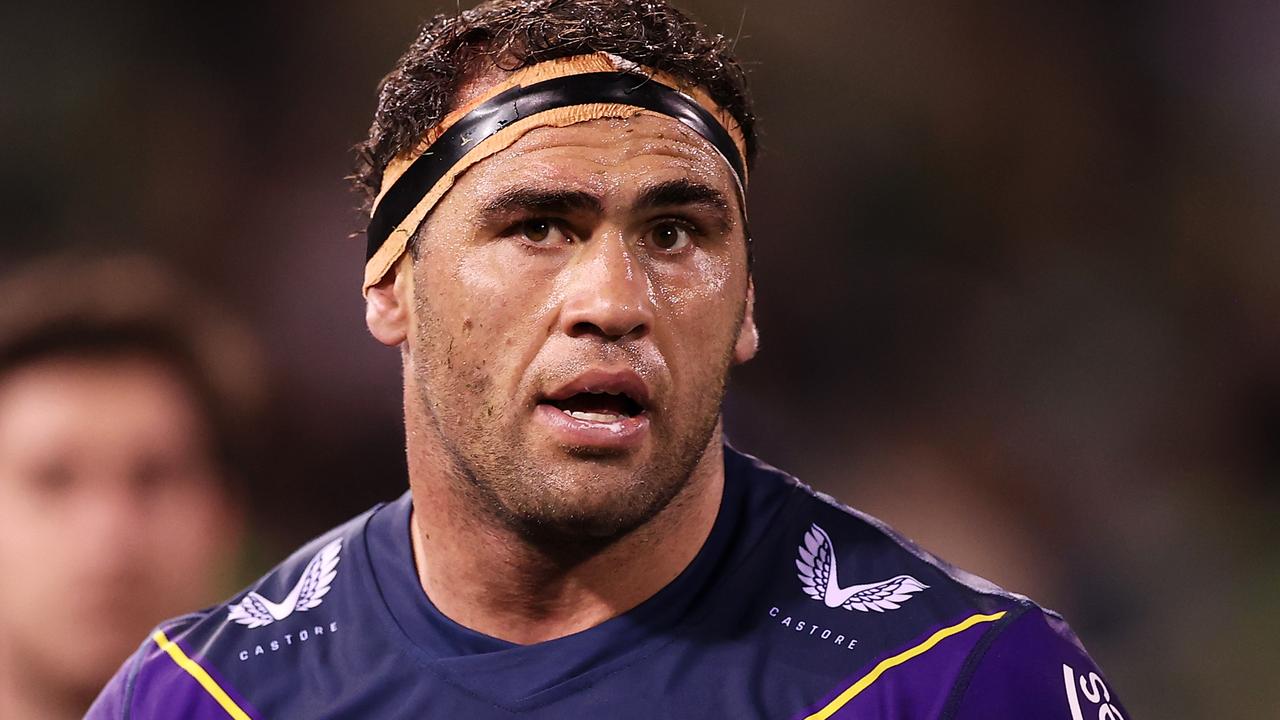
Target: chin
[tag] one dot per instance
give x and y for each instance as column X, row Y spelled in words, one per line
column 593, row 500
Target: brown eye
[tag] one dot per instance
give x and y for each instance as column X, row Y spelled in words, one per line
column 536, row 232
column 669, row 236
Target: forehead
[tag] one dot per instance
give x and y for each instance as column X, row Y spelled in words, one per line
column 106, row 391
column 608, row 157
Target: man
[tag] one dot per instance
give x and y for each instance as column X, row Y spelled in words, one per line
column 116, row 501
column 559, row 249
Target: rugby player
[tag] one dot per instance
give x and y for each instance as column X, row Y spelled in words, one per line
column 558, row 247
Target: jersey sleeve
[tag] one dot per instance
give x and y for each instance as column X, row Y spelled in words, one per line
column 112, row 701
column 1036, row 668
column 162, row 681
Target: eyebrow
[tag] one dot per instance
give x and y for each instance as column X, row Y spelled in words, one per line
column 681, row 192
column 541, row 200
column 684, row 192
column 550, row 201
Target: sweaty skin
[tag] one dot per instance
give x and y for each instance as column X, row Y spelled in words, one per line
column 612, row 246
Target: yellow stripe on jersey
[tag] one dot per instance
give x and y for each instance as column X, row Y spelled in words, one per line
column 863, row 683
column 194, row 670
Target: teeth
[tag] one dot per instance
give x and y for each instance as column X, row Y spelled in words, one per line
column 592, row 417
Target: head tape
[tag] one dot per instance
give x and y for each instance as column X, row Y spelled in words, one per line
column 556, row 93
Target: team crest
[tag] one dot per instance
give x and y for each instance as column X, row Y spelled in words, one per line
column 817, row 566
column 317, row 578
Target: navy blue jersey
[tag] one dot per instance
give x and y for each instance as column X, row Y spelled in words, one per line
column 796, row 607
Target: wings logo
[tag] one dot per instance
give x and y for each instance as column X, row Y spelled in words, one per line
column 317, row 578
column 817, row 566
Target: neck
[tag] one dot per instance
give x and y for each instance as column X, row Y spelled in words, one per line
column 490, row 578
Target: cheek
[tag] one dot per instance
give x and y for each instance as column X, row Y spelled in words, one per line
column 33, row 528
column 22, row 529
column 698, row 307
column 702, row 299
column 481, row 316
column 506, row 286
column 198, row 532
column 712, row 279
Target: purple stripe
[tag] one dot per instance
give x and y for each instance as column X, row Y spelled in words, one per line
column 163, row 690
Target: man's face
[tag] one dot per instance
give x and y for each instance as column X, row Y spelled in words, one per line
column 112, row 516
column 578, row 300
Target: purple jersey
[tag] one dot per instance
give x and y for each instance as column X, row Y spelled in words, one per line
column 796, row 607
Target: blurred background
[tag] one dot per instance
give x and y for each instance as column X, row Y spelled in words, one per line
column 1018, row 276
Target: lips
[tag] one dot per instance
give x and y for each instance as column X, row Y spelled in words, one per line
column 601, row 396
column 600, row 409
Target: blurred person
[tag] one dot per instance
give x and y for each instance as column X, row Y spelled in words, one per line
column 558, row 248
column 120, row 395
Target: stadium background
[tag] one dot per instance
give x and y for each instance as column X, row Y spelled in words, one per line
column 1018, row 276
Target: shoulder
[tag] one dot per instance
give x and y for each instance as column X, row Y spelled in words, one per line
column 874, row 538
column 187, row 666
column 827, row 538
column 927, row 635
column 1033, row 665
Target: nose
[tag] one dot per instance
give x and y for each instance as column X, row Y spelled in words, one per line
column 608, row 293
column 109, row 516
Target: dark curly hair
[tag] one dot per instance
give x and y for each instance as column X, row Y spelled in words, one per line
column 511, row 34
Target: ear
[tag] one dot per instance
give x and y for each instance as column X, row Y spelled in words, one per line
column 748, row 336
column 388, row 304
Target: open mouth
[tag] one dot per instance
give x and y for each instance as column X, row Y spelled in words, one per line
column 601, row 397
column 597, row 407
